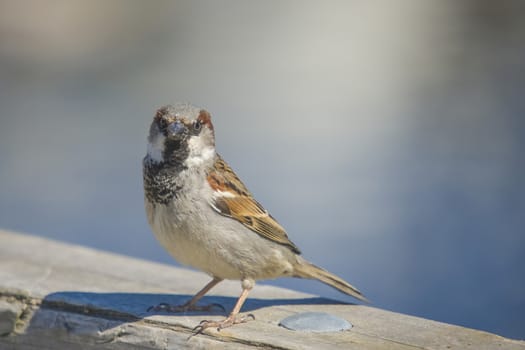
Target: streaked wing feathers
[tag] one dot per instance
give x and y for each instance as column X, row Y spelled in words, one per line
column 233, row 199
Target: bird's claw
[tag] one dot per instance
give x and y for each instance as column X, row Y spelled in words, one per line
column 228, row 322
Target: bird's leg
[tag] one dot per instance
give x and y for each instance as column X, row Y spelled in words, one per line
column 232, row 319
column 191, row 305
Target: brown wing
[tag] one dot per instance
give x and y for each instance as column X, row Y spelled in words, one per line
column 234, row 200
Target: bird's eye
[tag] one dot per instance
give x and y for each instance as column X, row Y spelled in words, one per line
column 197, row 125
column 162, row 124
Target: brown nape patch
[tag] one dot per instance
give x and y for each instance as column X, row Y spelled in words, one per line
column 205, row 118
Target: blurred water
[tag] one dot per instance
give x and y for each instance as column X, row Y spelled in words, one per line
column 387, row 138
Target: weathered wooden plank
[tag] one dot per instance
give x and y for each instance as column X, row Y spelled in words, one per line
column 59, row 296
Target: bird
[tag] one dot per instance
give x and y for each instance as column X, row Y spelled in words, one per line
column 206, row 218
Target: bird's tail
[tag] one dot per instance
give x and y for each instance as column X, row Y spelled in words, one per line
column 305, row 269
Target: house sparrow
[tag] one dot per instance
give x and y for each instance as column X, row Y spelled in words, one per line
column 205, row 217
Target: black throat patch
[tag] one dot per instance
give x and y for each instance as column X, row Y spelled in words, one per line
column 161, row 178
column 160, row 181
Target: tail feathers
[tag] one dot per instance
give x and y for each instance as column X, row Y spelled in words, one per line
column 305, row 269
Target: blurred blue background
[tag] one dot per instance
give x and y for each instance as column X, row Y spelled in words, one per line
column 387, row 137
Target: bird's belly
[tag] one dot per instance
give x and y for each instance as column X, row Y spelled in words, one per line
column 186, row 246
column 226, row 250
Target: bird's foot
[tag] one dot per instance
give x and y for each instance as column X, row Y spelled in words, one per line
column 185, row 307
column 227, row 322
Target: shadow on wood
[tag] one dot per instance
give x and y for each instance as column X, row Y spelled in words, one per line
column 134, row 306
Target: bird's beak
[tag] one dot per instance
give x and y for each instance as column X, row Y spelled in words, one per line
column 176, row 129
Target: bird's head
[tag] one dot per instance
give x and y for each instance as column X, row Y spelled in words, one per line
column 181, row 135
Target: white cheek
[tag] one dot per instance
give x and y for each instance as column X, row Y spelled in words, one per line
column 199, row 152
column 156, row 148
